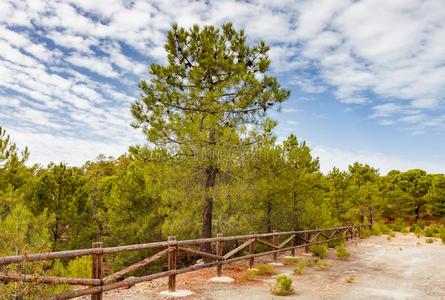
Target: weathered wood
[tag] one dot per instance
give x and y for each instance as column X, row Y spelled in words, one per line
column 109, row 250
column 239, row 248
column 48, row 279
column 294, row 242
column 6, row 260
column 287, row 241
column 252, row 251
column 172, row 266
column 306, row 241
column 133, row 281
column 200, row 253
column 315, row 237
column 274, row 242
column 97, row 269
column 220, row 253
column 266, row 243
column 136, row 266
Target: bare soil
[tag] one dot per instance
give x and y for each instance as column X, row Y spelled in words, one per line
column 405, row 267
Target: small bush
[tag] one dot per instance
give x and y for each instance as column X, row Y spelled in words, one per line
column 265, row 269
column 365, row 232
column 250, row 274
column 404, row 230
column 292, row 261
column 398, row 225
column 282, row 286
column 334, row 243
column 376, row 229
column 418, row 231
column 324, row 264
column 299, row 269
column 342, row 253
column 311, row 262
column 415, row 227
column 442, row 235
column 320, row 250
column 429, row 241
column 391, row 234
column 431, row 231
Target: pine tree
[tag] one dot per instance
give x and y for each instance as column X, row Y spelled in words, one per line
column 198, row 105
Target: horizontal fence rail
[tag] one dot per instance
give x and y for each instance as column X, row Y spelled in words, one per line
column 290, row 241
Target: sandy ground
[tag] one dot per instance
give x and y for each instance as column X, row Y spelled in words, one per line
column 404, row 267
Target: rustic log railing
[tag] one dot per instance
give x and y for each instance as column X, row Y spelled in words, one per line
column 99, row 284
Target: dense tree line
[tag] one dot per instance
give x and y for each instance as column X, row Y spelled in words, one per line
column 212, row 164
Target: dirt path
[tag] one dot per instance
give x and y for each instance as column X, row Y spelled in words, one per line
column 406, row 267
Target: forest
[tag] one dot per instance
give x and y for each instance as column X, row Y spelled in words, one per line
column 212, row 164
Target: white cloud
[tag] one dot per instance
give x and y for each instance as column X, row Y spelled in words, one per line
column 388, row 56
column 335, row 157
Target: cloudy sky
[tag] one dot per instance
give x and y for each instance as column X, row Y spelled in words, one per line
column 367, row 77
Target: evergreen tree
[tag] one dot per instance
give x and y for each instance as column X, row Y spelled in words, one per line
column 199, row 104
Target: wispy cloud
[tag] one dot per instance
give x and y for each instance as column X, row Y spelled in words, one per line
column 72, row 67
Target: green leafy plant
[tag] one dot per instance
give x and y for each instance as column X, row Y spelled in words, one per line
column 282, row 286
column 250, row 274
column 324, row 264
column 320, row 250
column 391, row 234
column 431, row 231
column 342, row 253
column 265, row 269
column 299, row 269
column 292, row 260
column 429, row 240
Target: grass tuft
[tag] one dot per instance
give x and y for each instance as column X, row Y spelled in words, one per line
column 320, row 250
column 342, row 253
column 282, row 286
column 265, row 269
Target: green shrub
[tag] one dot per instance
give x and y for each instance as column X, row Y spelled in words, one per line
column 282, row 286
column 391, row 234
column 292, row 260
column 324, row 264
column 376, row 229
column 429, row 241
column 250, row 274
column 415, row 228
column 320, row 250
column 334, row 243
column 431, row 231
column 265, row 269
column 442, row 235
column 342, row 253
column 398, row 225
column 404, row 230
column 299, row 269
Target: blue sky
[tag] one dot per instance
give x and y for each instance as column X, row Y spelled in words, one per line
column 367, row 77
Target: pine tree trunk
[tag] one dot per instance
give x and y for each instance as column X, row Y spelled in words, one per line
column 269, row 216
column 207, row 215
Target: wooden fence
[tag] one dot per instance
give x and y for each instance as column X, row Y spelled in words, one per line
column 276, row 241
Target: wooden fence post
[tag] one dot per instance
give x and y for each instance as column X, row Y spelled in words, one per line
column 306, row 238
column 274, row 242
column 171, row 259
column 252, row 251
column 97, row 268
column 219, row 251
column 293, row 244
